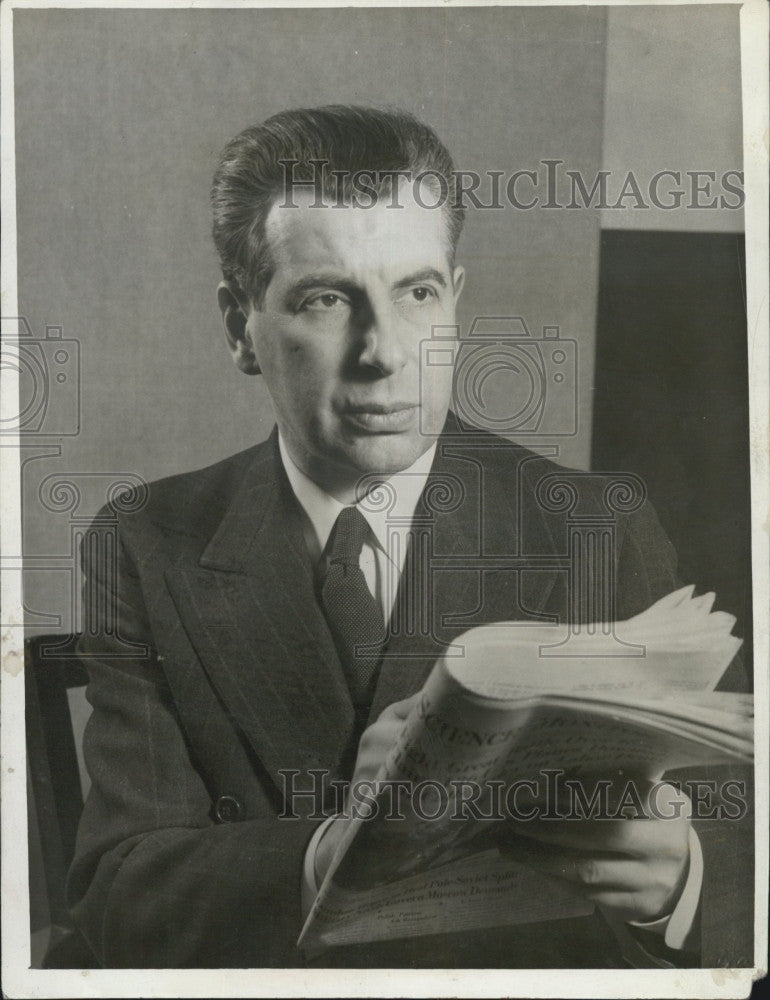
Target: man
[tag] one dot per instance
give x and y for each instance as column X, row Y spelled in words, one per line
column 249, row 589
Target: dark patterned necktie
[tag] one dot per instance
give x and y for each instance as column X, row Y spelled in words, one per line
column 354, row 616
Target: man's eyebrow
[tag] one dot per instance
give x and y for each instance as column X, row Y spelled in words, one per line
column 426, row 274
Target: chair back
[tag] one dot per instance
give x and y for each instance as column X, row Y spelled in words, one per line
column 52, row 669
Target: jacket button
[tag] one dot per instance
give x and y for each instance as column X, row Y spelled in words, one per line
column 228, row 809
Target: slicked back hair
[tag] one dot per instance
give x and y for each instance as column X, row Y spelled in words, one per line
column 348, row 139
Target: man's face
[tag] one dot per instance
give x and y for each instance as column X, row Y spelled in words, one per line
column 353, row 294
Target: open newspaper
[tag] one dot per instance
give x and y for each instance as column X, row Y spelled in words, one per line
column 511, row 717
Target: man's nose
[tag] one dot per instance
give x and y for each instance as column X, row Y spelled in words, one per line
column 382, row 345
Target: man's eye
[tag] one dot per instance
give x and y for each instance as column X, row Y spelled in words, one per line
column 325, row 301
column 418, row 295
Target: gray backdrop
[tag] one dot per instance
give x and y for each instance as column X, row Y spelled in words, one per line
column 120, row 116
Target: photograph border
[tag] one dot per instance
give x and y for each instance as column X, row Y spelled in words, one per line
column 21, row 981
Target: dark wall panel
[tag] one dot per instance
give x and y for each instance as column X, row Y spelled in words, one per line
column 671, row 396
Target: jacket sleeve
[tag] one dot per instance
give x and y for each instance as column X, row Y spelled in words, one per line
column 647, row 570
column 158, row 880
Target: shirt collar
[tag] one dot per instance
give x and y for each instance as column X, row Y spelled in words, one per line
column 389, row 508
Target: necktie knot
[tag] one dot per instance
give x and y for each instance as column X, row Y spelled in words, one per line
column 350, row 531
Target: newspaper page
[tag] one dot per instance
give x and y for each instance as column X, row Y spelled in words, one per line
column 330, row 333
column 421, row 853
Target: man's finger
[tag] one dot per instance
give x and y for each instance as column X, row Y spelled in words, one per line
column 595, row 873
column 401, row 709
column 625, row 885
column 638, row 837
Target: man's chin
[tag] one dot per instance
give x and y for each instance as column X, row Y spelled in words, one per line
column 388, row 454
column 344, row 467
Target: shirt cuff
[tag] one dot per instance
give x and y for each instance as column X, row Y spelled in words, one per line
column 309, row 882
column 679, row 929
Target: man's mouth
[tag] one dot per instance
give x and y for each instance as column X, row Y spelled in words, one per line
column 381, row 417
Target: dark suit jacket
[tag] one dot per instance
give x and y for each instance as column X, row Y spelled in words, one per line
column 213, row 670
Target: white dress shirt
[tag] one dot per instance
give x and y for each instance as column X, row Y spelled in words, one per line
column 389, row 514
column 388, row 511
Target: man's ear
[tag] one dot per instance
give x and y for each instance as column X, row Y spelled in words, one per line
column 458, row 282
column 235, row 308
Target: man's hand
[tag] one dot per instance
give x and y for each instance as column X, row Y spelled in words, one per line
column 373, row 748
column 634, row 869
column 378, row 740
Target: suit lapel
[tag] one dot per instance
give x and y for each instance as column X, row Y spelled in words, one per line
column 250, row 610
column 466, row 515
